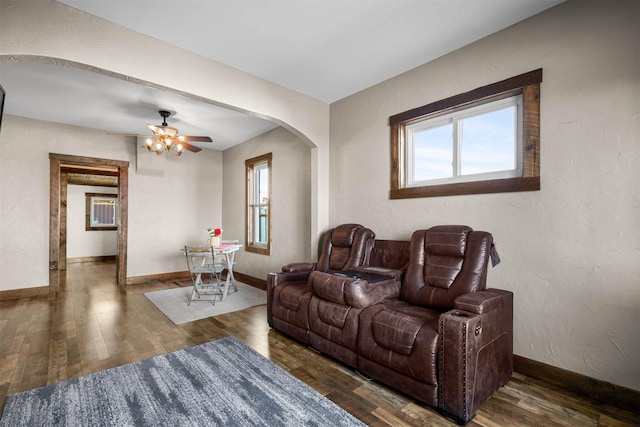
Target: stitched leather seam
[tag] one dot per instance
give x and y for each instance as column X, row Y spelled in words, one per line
column 464, row 370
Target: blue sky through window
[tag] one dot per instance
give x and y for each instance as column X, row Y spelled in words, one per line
column 433, row 153
column 487, row 144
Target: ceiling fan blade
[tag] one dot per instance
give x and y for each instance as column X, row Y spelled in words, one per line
column 155, row 129
column 197, row 138
column 190, row 147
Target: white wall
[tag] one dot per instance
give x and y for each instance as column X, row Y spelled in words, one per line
column 165, row 211
column 80, row 242
column 290, row 201
column 570, row 252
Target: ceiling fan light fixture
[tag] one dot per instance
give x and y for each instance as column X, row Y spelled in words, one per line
column 166, row 138
column 169, row 131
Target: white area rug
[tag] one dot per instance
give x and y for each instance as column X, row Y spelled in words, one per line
column 173, row 303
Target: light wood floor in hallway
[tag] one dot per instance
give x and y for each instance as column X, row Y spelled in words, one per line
column 94, row 325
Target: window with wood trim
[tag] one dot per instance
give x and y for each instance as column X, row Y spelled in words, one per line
column 483, row 141
column 101, row 212
column 258, row 171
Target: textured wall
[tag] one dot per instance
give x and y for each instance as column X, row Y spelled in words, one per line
column 290, row 204
column 570, row 251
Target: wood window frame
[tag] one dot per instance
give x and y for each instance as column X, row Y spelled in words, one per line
column 527, row 85
column 89, row 207
column 249, row 169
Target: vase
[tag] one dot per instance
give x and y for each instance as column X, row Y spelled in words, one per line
column 214, row 241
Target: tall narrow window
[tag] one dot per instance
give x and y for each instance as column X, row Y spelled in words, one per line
column 259, row 204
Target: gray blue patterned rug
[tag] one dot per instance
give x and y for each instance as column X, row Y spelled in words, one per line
column 220, row 383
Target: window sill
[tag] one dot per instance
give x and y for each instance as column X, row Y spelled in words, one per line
column 478, row 187
column 258, row 250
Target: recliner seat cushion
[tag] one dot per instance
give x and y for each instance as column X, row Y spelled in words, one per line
column 401, row 337
column 291, row 303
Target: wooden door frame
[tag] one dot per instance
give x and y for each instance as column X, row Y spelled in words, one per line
column 56, row 240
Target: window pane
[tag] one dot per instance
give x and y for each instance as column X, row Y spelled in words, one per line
column 261, row 203
column 263, row 233
column 263, row 185
column 487, row 142
column 433, row 153
column 101, row 212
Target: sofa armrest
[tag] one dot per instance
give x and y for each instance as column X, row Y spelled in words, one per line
column 482, row 301
column 276, row 279
column 476, row 351
column 299, row 266
column 354, row 292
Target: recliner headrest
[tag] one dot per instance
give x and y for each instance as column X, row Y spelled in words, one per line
column 447, row 240
column 344, row 234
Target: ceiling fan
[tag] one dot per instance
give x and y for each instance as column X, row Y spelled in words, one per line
column 165, row 138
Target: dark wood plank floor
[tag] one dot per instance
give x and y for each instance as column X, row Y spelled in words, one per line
column 93, row 325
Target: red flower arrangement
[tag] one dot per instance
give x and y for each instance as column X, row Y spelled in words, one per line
column 214, row 232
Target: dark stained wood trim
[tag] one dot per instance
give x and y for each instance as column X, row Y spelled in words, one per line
column 84, row 259
column 531, row 131
column 54, row 225
column 532, row 77
column 123, row 226
column 90, row 165
column 81, row 171
column 64, row 198
column 92, row 180
column 24, row 293
column 68, row 159
column 602, row 391
column 478, row 187
column 397, row 157
column 250, row 280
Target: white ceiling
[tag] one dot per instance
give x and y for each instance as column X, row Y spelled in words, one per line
column 326, row 49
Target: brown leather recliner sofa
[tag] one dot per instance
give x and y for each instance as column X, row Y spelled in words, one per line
column 414, row 315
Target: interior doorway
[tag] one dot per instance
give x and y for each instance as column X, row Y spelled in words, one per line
column 61, row 165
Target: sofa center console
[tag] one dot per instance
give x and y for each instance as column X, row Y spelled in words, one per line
column 362, row 275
